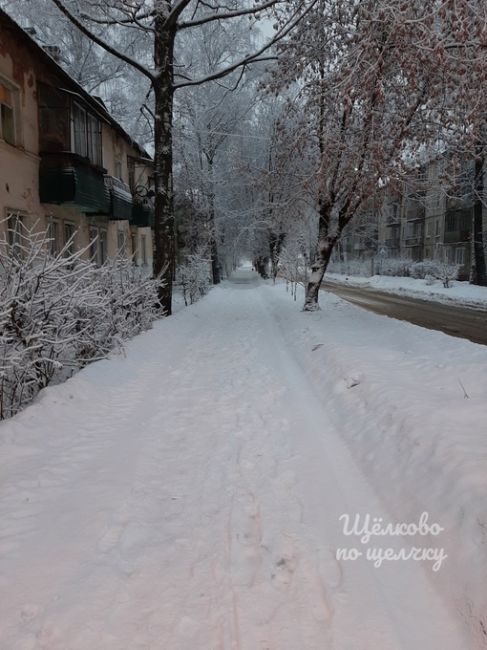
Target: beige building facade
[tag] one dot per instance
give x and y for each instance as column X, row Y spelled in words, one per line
column 65, row 165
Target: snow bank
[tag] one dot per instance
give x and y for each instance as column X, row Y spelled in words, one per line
column 461, row 293
column 412, row 406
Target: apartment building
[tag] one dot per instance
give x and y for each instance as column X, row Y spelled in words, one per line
column 360, row 237
column 413, row 216
column 65, row 164
column 389, row 222
column 431, row 218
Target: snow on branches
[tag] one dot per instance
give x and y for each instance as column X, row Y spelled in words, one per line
column 193, row 276
column 58, row 312
column 378, row 83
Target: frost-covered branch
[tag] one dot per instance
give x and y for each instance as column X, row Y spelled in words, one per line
column 60, row 312
column 102, row 43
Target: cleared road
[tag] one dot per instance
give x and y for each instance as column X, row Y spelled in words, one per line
column 466, row 323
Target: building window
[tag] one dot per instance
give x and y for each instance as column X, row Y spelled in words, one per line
column 7, row 113
column 79, row 130
column 143, row 249
column 98, row 245
column 69, row 237
column 131, row 170
column 414, row 229
column 395, row 212
column 118, row 170
column 15, row 226
column 53, row 236
column 86, row 135
column 93, row 234
column 94, row 139
column 460, row 255
column 121, row 242
column 103, row 245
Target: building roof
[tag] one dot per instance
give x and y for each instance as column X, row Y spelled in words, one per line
column 72, row 85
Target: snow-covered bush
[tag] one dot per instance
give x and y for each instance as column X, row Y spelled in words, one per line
column 447, row 272
column 429, row 270
column 420, row 270
column 294, row 266
column 394, row 266
column 58, row 312
column 193, row 276
column 435, row 269
column 130, row 296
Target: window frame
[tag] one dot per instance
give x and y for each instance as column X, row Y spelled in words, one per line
column 460, row 255
column 118, row 170
column 121, row 243
column 53, row 244
column 79, row 133
column 143, row 249
column 94, row 141
column 14, row 107
column 86, row 134
column 98, row 244
column 71, row 249
column 103, row 245
column 13, row 237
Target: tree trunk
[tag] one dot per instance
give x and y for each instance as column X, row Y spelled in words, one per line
column 326, row 243
column 275, row 246
column 164, row 232
column 479, row 271
column 261, row 264
column 215, row 263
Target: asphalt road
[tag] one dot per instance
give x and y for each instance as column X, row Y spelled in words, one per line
column 466, row 323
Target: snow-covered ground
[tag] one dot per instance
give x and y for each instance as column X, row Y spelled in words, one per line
column 461, row 293
column 188, row 496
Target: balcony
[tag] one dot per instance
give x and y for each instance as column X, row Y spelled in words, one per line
column 458, row 226
column 69, row 178
column 142, row 214
column 415, row 211
column 464, row 201
column 120, row 198
column 457, row 236
column 414, row 241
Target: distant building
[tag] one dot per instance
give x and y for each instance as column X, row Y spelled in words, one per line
column 429, row 216
column 65, row 164
column 360, row 237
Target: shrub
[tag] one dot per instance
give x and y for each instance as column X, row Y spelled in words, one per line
column 429, row 270
column 59, row 312
column 394, row 266
column 193, row 276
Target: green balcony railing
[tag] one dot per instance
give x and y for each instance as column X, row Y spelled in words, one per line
column 69, row 178
column 120, row 198
column 142, row 215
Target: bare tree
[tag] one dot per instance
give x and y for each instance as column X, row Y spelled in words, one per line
column 161, row 21
column 207, row 124
column 376, row 81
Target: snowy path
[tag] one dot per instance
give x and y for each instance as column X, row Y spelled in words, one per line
column 187, row 498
